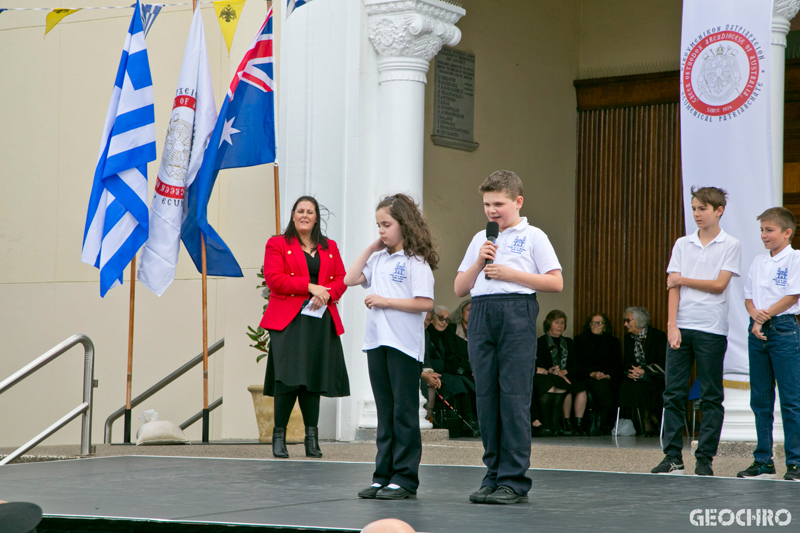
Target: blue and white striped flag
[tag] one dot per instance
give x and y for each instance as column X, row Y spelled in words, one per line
column 149, row 14
column 117, row 218
column 291, row 5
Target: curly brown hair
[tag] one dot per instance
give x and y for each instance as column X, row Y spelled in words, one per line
column 417, row 238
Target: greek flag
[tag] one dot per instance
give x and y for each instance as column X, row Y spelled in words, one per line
column 291, row 5
column 149, row 14
column 117, row 218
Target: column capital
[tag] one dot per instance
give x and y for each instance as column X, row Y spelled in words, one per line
column 782, row 12
column 407, row 34
column 785, row 8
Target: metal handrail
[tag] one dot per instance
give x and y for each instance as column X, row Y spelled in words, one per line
column 158, row 386
column 84, row 409
column 197, row 416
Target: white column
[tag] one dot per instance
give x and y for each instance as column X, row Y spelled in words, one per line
column 782, row 12
column 407, row 34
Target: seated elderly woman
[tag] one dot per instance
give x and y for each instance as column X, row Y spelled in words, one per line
column 643, row 360
column 600, row 367
column 556, row 367
column 460, row 317
column 448, row 357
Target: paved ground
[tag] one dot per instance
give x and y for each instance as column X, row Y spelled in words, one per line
column 627, row 454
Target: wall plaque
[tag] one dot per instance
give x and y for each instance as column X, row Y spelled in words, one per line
column 454, row 99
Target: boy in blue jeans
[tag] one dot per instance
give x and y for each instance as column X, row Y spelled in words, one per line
column 502, row 333
column 771, row 297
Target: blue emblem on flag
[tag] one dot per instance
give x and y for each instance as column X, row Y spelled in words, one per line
column 117, row 220
column 243, row 136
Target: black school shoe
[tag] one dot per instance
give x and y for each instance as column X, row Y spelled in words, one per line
column 505, row 495
column 369, row 493
column 479, row 496
column 669, row 465
column 792, row 473
column 395, row 494
column 703, row 467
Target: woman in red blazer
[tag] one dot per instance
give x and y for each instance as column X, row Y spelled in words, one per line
column 305, row 273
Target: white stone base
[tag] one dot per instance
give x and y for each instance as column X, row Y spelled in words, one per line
column 368, row 418
column 740, row 422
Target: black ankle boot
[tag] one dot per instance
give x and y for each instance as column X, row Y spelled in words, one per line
column 569, row 430
column 556, row 407
column 578, row 425
column 312, row 442
column 279, row 442
column 597, row 428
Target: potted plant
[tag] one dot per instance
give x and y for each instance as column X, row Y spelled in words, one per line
column 264, row 405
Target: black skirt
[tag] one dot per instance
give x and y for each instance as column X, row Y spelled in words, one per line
column 307, row 353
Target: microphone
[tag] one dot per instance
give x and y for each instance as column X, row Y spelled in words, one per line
column 492, row 231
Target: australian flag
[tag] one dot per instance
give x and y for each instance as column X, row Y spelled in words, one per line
column 243, row 136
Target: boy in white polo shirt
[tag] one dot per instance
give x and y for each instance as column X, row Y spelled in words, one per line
column 502, row 333
column 700, row 269
column 771, row 297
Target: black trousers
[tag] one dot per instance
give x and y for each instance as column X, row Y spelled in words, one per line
column 502, row 352
column 394, row 377
column 708, row 349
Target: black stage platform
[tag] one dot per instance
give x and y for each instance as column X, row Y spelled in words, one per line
column 157, row 494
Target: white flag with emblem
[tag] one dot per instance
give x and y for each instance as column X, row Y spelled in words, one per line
column 194, row 115
column 726, row 132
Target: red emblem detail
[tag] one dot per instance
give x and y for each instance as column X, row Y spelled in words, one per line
column 185, row 101
column 169, row 191
column 715, row 40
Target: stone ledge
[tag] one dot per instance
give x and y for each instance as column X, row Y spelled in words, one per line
column 428, row 435
column 742, row 449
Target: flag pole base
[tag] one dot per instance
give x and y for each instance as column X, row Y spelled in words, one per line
column 205, row 426
column 127, row 437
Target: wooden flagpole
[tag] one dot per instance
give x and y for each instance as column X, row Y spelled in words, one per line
column 127, row 433
column 205, row 321
column 275, row 166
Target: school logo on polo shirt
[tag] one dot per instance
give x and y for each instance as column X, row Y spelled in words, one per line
column 782, row 277
column 398, row 275
column 518, row 246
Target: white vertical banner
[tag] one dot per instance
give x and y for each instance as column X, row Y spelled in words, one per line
column 725, row 132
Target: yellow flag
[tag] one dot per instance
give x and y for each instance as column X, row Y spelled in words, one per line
column 56, row 16
column 228, row 14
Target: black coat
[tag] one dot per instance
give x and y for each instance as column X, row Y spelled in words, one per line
column 655, row 349
column 546, row 358
column 598, row 353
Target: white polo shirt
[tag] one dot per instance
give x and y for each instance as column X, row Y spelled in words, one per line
column 522, row 247
column 699, row 310
column 397, row 276
column 772, row 278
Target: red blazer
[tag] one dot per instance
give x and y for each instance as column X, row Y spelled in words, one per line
column 286, row 274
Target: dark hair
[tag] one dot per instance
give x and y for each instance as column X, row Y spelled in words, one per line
column 551, row 317
column 713, row 196
column 317, row 238
column 607, row 330
column 417, row 238
column 504, row 181
column 781, row 216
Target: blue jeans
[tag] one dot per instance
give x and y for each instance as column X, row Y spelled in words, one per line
column 776, row 358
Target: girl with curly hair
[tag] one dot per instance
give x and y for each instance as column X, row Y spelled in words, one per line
column 397, row 268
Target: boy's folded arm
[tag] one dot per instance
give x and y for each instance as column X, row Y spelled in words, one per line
column 783, row 304
column 550, row 281
column 713, row 286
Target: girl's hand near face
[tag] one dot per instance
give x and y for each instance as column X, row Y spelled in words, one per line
column 377, row 246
